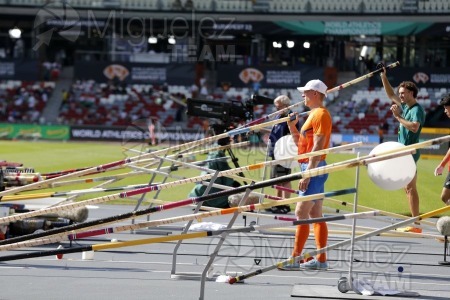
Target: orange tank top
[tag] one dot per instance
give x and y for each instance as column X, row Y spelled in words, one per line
column 318, row 123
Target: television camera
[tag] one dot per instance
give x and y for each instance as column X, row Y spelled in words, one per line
column 229, row 111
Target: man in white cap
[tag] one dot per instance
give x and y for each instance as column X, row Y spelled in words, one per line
column 314, row 135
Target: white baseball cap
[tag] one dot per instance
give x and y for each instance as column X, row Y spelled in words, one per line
column 315, row 85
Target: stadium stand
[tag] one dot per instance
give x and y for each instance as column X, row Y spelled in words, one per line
column 23, row 102
column 92, row 103
column 272, row 6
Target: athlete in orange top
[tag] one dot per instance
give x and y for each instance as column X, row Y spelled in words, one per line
column 317, row 126
column 313, row 136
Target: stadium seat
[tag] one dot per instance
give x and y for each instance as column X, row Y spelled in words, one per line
column 203, row 5
column 23, row 101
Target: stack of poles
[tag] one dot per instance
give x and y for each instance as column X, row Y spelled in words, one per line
column 310, row 173
column 77, row 193
column 110, row 179
column 213, row 212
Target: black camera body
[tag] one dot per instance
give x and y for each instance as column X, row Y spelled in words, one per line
column 228, row 111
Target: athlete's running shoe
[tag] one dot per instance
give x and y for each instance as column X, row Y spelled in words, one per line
column 314, row 264
column 294, row 266
column 290, row 267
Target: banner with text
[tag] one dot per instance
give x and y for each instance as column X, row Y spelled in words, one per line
column 19, row 70
column 172, row 74
column 46, row 132
column 134, row 134
column 266, row 76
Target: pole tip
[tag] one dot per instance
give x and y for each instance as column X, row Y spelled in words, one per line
column 59, row 255
column 232, row 280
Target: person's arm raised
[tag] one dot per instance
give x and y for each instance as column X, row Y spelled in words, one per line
column 388, row 89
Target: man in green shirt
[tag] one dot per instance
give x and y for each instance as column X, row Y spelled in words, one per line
column 411, row 117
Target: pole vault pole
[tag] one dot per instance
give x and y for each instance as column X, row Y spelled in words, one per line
column 340, row 244
column 364, row 77
column 72, row 193
column 332, row 90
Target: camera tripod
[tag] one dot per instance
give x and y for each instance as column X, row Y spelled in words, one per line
column 234, row 159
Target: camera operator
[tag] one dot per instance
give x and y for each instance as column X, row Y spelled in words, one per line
column 278, row 131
